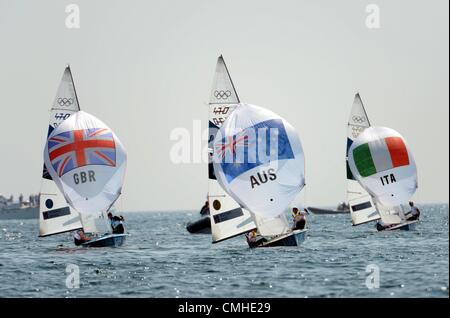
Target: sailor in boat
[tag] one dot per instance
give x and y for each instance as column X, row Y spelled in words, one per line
column 343, row 206
column 299, row 219
column 414, row 214
column 253, row 239
column 117, row 223
column 80, row 237
column 380, row 225
column 205, row 209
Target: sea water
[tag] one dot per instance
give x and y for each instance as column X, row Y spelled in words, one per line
column 161, row 259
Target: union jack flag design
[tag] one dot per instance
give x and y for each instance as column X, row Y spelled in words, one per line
column 77, row 148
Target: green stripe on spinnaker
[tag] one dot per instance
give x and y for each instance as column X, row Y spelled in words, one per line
column 363, row 160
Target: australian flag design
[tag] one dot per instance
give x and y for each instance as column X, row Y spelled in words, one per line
column 254, row 146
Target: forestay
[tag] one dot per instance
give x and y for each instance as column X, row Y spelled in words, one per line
column 55, row 215
column 383, row 164
column 228, row 219
column 362, row 208
column 259, row 160
column 87, row 161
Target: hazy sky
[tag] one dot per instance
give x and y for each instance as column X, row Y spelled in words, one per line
column 146, row 67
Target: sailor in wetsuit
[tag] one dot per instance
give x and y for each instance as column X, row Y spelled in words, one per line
column 299, row 219
column 414, row 214
column 79, row 237
column 117, row 225
column 205, row 209
column 253, row 240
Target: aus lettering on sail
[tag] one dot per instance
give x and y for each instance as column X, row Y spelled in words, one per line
column 87, row 162
column 382, row 162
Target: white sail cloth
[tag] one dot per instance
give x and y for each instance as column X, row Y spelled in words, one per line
column 383, row 164
column 270, row 227
column 87, row 162
column 258, row 160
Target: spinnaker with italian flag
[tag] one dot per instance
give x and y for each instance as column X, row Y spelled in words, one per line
column 383, row 164
column 380, row 160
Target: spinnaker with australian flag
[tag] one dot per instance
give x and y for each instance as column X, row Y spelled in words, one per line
column 258, row 161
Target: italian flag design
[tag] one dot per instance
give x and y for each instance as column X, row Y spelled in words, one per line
column 380, row 155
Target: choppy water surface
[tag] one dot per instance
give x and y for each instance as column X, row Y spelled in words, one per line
column 160, row 259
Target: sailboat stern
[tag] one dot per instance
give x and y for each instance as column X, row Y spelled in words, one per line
column 294, row 238
column 363, row 210
column 226, row 224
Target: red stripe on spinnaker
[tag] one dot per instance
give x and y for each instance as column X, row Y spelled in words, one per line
column 78, row 142
column 111, row 163
column 57, row 139
column 398, row 151
column 63, row 165
column 77, row 145
column 100, row 131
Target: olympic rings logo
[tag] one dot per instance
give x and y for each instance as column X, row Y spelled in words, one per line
column 358, row 119
column 64, row 101
column 222, row 94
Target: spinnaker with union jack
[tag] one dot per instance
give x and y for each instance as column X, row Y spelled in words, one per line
column 87, row 161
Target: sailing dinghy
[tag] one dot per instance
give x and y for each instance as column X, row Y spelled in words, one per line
column 85, row 166
column 381, row 172
column 259, row 187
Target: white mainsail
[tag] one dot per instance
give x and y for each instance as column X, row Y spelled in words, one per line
column 270, row 227
column 228, row 219
column 87, row 161
column 362, row 207
column 95, row 223
column 55, row 215
column 391, row 215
